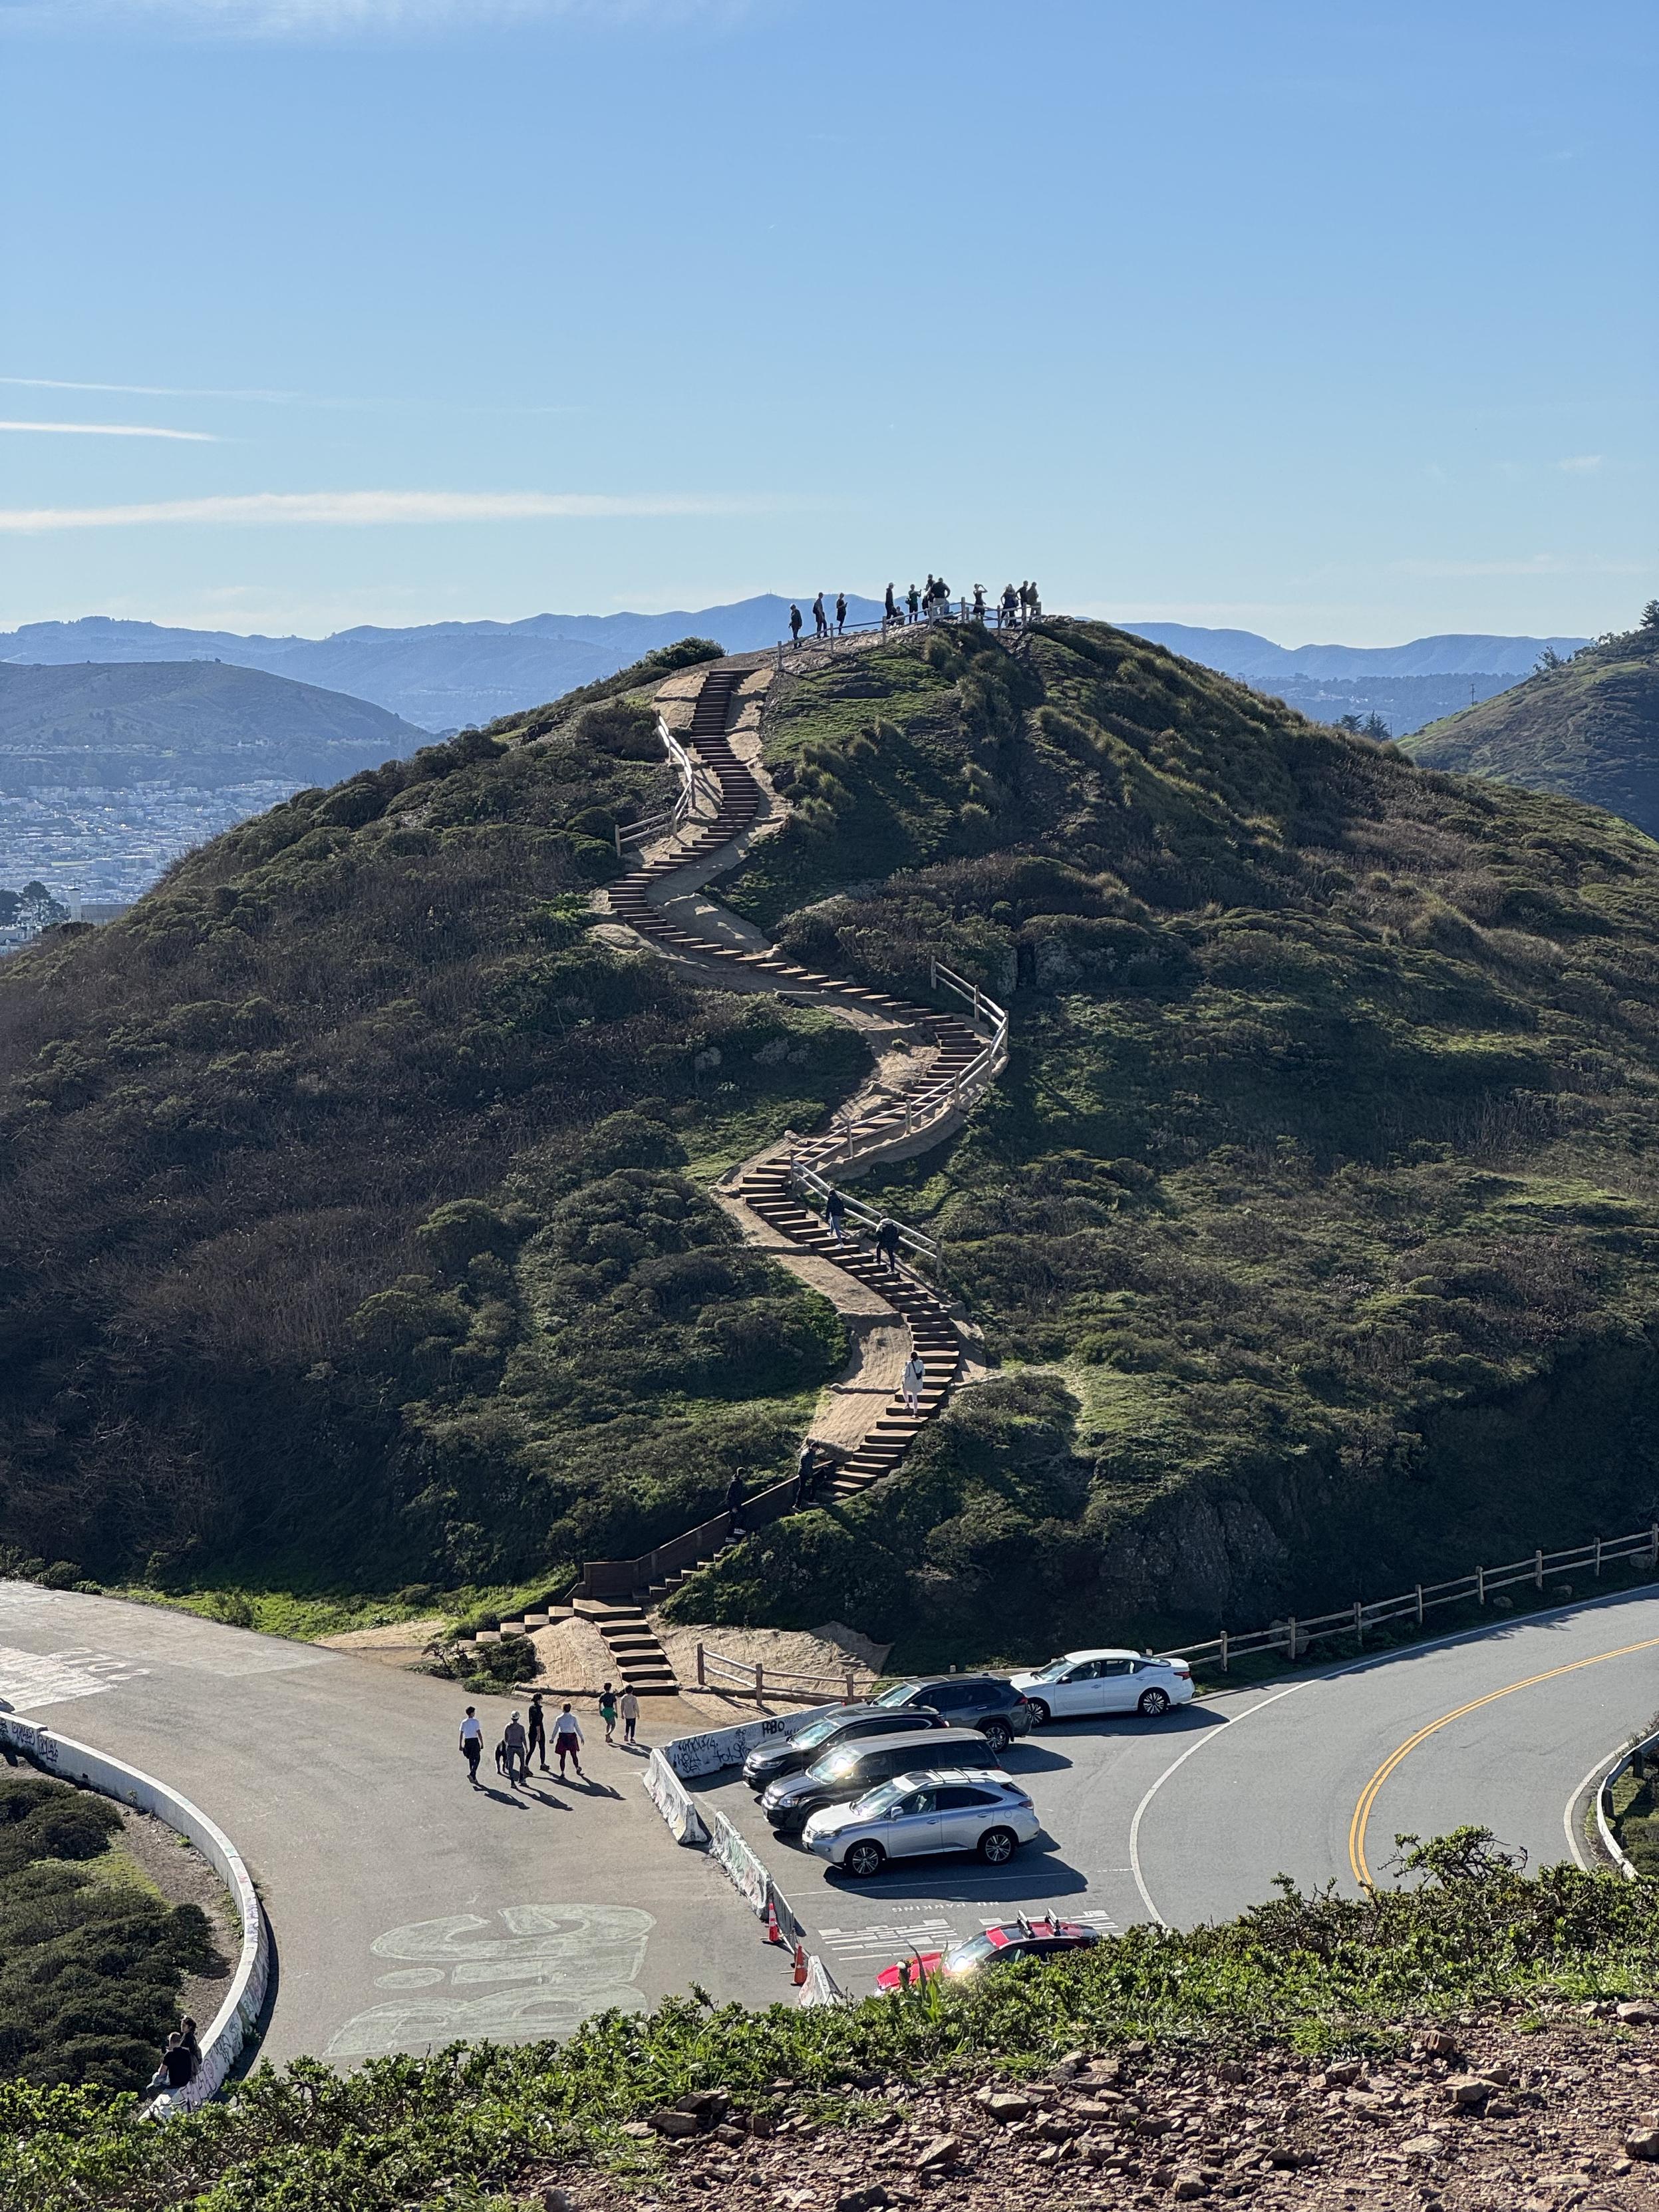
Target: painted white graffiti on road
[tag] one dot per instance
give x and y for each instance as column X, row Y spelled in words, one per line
column 29, row 1679
column 559, row 1963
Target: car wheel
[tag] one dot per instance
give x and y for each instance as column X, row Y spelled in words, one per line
column 997, row 1845
column 1154, row 1704
column 864, row 1859
column 997, row 1734
column 1041, row 1715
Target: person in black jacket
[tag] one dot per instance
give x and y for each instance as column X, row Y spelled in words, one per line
column 794, row 624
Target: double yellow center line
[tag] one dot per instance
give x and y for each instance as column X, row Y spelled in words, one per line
column 1362, row 1811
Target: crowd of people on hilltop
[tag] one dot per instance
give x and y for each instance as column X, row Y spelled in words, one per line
column 1017, row 604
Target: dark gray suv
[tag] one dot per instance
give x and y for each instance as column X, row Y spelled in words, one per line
column 984, row 1702
column 838, row 1776
column 836, row 1725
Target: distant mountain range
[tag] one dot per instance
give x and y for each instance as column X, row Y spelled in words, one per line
column 440, row 676
column 200, row 723
column 444, row 676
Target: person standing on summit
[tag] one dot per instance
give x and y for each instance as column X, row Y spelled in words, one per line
column 913, row 600
column 841, row 612
column 890, row 612
column 794, row 624
column 820, row 618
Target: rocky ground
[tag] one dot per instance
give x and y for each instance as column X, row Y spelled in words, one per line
column 1486, row 2118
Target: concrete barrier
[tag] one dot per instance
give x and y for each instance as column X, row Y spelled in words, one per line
column 1610, row 1843
column 730, row 1746
column 664, row 1790
column 234, row 2025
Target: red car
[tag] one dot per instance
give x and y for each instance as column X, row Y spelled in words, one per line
column 1015, row 1939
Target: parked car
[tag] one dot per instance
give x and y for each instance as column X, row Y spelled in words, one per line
column 933, row 1810
column 1105, row 1682
column 1015, row 1939
column 984, row 1702
column 851, row 1769
column 837, row 1724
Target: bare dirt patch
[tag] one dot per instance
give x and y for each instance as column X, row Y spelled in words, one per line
column 831, row 1651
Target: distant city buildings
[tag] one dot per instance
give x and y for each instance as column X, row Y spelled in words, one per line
column 103, row 846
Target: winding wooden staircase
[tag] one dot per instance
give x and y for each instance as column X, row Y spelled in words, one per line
column 957, row 1061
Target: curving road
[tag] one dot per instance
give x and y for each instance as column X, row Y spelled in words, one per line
column 407, row 1910
column 1190, row 1818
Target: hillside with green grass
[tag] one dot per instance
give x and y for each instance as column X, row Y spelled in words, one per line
column 352, row 1226
column 1315, row 1223
column 355, row 1234
column 1586, row 728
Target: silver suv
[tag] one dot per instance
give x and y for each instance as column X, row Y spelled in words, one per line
column 919, row 1812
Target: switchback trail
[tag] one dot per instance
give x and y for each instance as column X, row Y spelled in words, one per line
column 946, row 1064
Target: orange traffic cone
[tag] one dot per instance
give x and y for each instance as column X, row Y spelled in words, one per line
column 773, row 1933
column 800, row 1963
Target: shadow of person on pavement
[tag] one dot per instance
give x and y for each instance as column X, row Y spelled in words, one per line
column 500, row 1796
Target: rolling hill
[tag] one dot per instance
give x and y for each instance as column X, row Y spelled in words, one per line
column 1588, row 729
column 356, row 1230
column 197, row 722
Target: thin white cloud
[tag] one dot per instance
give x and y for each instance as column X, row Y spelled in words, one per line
column 139, row 391
column 113, row 430
column 361, row 507
column 1581, row 465
column 332, row 19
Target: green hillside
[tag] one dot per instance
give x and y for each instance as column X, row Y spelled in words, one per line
column 1586, row 728
column 201, row 722
column 355, row 1228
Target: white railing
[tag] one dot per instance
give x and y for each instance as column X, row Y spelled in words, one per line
column 693, row 779
column 1291, row 1638
column 808, row 1180
column 930, row 1103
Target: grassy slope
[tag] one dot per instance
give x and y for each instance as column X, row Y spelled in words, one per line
column 1316, row 1217
column 344, row 1235
column 481, row 2127
column 1589, row 730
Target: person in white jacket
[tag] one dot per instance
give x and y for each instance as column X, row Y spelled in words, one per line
column 568, row 1740
column 912, row 1382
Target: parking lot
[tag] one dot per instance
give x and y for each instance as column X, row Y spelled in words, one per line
column 1084, row 1778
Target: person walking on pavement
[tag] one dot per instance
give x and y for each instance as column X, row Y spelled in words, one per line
column 608, row 1712
column 841, row 612
column 912, row 1382
column 518, row 1751
column 835, row 1213
column 794, row 624
column 472, row 1743
column 819, row 618
column 888, row 1233
column 537, row 1733
column 628, row 1707
column 568, row 1741
column 913, row 600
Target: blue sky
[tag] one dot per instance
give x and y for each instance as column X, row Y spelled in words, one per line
column 1331, row 322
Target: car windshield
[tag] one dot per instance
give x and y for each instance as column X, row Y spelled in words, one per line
column 898, row 1694
column 814, row 1732
column 974, row 1953
column 1052, row 1672
column 881, row 1799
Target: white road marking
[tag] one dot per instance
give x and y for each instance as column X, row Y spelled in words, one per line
column 29, row 1679
column 575, row 1959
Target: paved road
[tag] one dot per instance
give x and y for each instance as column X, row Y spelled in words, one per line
column 1190, row 1817
column 407, row 1909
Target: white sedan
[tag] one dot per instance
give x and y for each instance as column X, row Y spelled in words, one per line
column 934, row 1810
column 1081, row 1682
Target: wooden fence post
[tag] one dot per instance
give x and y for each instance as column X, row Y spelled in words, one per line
column 703, row 1678
column 1358, row 1622
column 1480, row 1586
column 1538, row 1571
column 848, row 1680
column 1291, row 1640
column 1656, row 1543
column 1598, row 1558
column 1223, row 1650
column 760, row 1681
column 1419, row 1605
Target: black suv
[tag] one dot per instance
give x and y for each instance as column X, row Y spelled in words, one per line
column 839, row 1724
column 839, row 1775
column 984, row 1702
